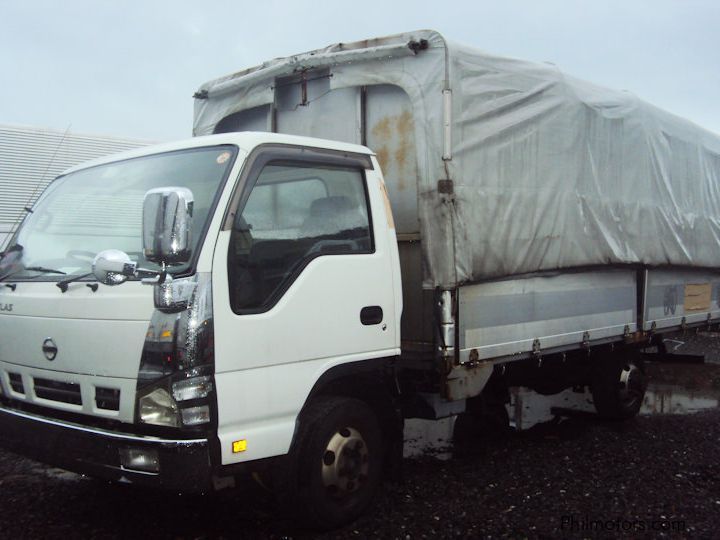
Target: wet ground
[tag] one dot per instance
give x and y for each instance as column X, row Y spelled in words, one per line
column 682, row 387
column 675, row 389
column 560, row 473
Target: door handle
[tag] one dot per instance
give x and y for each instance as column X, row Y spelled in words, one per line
column 370, row 315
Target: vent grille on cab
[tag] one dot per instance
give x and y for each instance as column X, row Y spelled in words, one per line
column 107, row 399
column 63, row 392
column 16, row 383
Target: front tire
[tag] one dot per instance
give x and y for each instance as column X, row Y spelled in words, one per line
column 339, row 460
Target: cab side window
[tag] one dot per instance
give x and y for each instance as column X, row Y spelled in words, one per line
column 294, row 213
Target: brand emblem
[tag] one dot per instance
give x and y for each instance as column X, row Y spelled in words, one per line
column 6, row 307
column 49, row 349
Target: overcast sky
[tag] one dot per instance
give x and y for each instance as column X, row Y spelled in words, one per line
column 129, row 68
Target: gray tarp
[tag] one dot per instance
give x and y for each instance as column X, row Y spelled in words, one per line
column 549, row 172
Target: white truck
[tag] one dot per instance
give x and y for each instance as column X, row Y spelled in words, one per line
column 281, row 303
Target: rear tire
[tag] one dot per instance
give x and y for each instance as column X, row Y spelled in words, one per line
column 618, row 387
column 339, row 461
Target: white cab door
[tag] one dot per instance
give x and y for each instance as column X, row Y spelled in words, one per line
column 305, row 280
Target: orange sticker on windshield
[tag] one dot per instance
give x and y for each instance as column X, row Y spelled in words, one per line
column 222, row 158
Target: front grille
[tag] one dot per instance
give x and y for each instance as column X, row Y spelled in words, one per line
column 16, row 383
column 58, row 391
column 107, row 398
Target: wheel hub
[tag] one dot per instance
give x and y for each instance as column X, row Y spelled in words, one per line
column 345, row 463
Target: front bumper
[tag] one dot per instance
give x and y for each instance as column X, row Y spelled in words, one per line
column 185, row 465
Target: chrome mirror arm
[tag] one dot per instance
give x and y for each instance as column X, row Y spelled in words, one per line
column 113, row 267
column 154, row 277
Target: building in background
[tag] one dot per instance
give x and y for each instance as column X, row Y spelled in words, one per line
column 30, row 158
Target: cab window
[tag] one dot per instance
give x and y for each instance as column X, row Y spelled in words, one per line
column 295, row 213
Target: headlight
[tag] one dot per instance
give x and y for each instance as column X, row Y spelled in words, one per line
column 158, row 408
column 175, row 381
column 194, row 388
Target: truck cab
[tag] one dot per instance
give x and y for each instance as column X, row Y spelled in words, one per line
column 269, row 328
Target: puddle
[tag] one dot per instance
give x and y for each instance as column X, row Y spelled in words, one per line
column 665, row 399
column 39, row 473
column 528, row 409
column 429, row 438
column 674, row 388
column 57, row 474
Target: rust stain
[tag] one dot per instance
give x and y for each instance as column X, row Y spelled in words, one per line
column 382, row 129
column 400, row 159
column 404, row 124
column 383, row 157
column 388, row 207
column 394, row 134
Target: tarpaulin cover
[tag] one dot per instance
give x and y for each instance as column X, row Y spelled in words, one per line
column 548, row 172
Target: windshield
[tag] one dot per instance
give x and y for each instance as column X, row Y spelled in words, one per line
column 100, row 208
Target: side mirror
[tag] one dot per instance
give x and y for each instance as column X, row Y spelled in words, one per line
column 113, row 267
column 167, row 218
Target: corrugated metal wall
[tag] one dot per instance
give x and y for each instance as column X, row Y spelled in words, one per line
column 31, row 157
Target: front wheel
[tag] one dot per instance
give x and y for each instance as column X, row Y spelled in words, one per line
column 618, row 387
column 339, row 459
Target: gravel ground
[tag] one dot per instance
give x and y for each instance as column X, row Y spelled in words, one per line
column 531, row 485
column 557, row 480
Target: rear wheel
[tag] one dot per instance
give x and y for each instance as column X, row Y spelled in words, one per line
column 339, row 459
column 618, row 387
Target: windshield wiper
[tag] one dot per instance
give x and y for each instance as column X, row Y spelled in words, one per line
column 40, row 269
column 63, row 284
column 44, row 270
